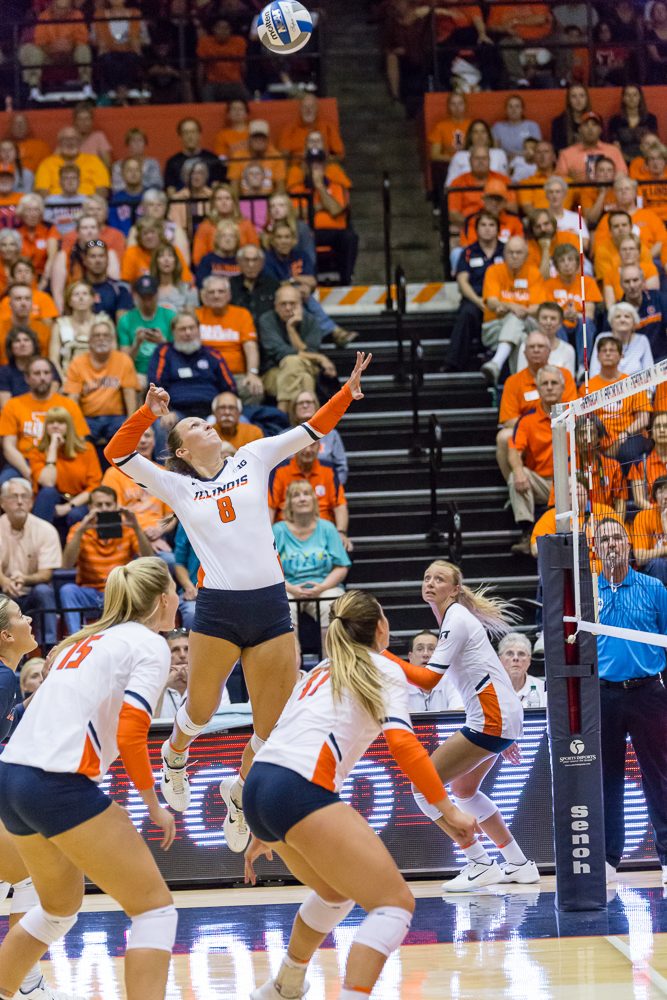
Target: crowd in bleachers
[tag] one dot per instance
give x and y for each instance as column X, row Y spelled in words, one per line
column 117, row 274
column 515, row 239
column 161, row 51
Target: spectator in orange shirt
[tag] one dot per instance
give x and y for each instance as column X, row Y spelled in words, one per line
column 56, row 44
column 137, row 259
column 10, row 251
column 512, row 292
column 34, row 233
column 604, row 474
column 448, row 135
column 103, row 381
column 25, row 306
column 589, row 515
column 607, row 251
column 31, row 151
column 649, row 533
column 654, row 194
column 466, row 203
column 565, row 289
column 531, row 455
column 329, row 491
column 65, row 468
column 9, row 198
column 556, row 191
column 227, row 408
column 119, row 34
column 221, row 63
column 494, row 200
column 261, row 150
column 230, row 331
column 643, row 475
column 542, row 239
column 638, row 166
column 645, row 223
column 578, row 161
column 151, row 512
column 94, row 555
column 234, row 136
column 22, row 418
column 329, row 186
column 595, row 202
column 520, row 393
column 632, row 254
column 293, row 137
column 224, row 208
column 534, row 197
column 514, row 25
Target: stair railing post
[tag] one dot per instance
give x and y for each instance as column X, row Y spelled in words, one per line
column 386, row 229
column 400, row 375
column 416, row 364
column 434, row 533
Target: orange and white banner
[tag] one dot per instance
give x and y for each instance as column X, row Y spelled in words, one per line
column 436, row 296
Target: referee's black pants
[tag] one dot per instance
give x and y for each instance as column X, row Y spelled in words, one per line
column 642, row 713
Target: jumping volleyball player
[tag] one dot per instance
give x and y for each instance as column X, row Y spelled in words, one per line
column 96, row 702
column 292, row 804
column 242, row 607
column 494, row 720
column 16, row 639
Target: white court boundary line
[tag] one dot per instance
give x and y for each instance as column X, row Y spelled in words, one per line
column 656, row 978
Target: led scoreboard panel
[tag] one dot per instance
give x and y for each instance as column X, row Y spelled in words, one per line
column 380, row 791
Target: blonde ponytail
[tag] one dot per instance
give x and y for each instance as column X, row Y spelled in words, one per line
column 352, row 625
column 496, row 615
column 131, row 594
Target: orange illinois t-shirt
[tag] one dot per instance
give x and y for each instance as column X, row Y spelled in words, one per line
column 520, row 394
column 73, row 475
column 555, row 290
column 526, row 287
column 23, row 417
column 450, row 135
column 227, row 334
column 98, row 556
column 329, row 492
column 244, row 434
column 532, row 437
column 617, row 414
column 99, row 389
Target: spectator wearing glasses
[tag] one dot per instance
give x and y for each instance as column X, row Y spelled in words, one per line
column 514, row 653
column 68, row 265
column 253, row 289
column 111, row 296
column 230, row 331
column 227, row 408
column 332, row 449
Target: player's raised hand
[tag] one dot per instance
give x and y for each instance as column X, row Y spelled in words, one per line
column 354, row 381
column 157, row 400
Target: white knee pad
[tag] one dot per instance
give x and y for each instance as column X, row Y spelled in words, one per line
column 186, row 725
column 322, row 916
column 24, row 897
column 478, row 805
column 155, row 929
column 4, row 890
column 256, row 742
column 429, row 810
column 384, row 929
column 45, row 926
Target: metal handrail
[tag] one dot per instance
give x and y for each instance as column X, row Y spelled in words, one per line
column 435, row 533
column 399, row 281
column 386, row 229
column 416, row 364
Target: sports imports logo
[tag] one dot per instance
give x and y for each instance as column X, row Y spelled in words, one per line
column 577, row 757
column 577, row 747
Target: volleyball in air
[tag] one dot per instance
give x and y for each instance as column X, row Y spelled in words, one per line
column 284, row 26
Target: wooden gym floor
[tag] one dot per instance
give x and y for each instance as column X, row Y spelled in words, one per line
column 503, row 942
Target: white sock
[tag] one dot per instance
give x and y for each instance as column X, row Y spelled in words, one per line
column 291, row 977
column 346, row 994
column 503, row 351
column 236, row 792
column 32, row 980
column 477, row 852
column 513, row 853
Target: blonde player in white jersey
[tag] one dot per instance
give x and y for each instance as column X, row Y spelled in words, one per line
column 291, row 800
column 241, row 609
column 494, row 719
column 96, row 702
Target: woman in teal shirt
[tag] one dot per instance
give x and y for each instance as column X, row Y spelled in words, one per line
column 313, row 558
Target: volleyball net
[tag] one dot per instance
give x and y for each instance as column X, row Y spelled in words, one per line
column 610, row 486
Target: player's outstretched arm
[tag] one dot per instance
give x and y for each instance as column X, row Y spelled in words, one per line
column 273, row 450
column 421, row 677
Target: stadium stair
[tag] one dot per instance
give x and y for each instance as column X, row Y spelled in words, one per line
column 388, row 486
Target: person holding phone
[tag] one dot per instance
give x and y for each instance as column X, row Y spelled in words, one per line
column 108, row 536
column 146, row 326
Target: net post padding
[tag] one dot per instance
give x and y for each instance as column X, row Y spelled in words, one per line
column 575, row 756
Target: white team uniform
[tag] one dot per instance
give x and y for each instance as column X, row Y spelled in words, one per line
column 70, row 725
column 322, row 739
column 226, row 518
column 466, row 655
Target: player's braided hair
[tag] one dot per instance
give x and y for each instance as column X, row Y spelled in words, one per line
column 352, row 624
